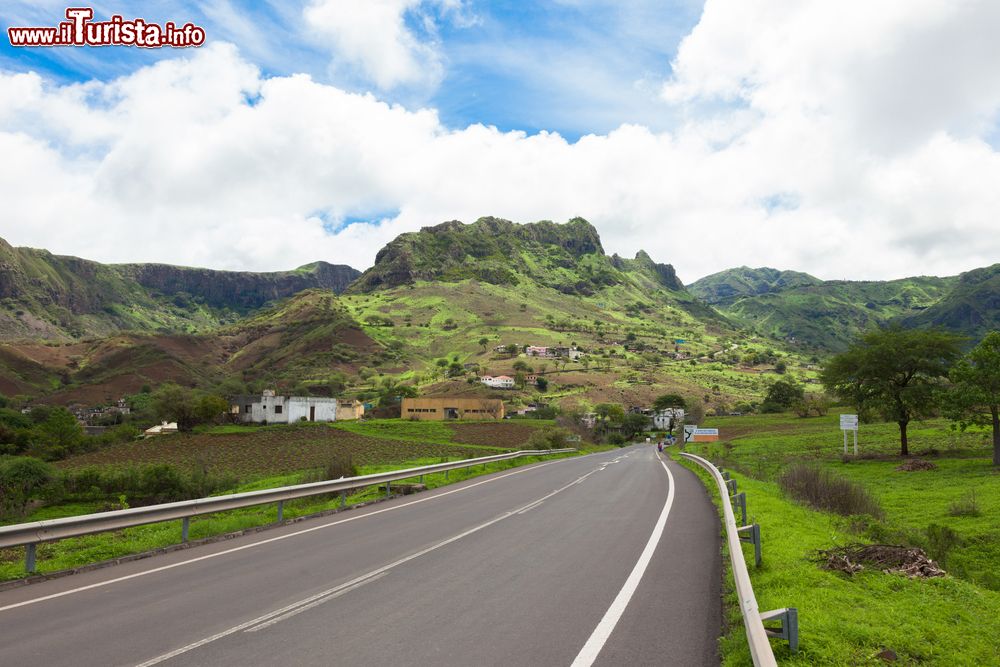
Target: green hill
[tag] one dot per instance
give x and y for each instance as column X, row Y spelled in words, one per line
column 971, row 307
column 53, row 297
column 731, row 284
column 829, row 316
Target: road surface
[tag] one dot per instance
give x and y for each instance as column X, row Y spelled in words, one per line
column 606, row 559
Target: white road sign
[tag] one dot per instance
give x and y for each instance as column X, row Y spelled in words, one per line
column 848, row 422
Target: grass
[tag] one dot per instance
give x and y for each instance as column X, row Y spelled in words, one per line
column 76, row 552
column 849, row 620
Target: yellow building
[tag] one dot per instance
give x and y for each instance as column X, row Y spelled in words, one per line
column 347, row 410
column 441, row 409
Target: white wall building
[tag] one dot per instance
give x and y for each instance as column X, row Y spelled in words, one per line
column 498, row 382
column 271, row 409
column 661, row 419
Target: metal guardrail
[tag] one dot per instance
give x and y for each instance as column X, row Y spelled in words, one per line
column 32, row 533
column 753, row 619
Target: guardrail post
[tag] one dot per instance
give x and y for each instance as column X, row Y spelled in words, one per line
column 343, row 498
column 740, row 500
column 421, row 479
column 29, row 558
column 731, row 484
column 446, row 475
column 281, row 510
column 753, row 538
column 789, row 629
column 725, row 474
column 388, row 489
column 185, row 526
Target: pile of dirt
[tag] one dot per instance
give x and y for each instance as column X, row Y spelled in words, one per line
column 912, row 465
column 911, row 561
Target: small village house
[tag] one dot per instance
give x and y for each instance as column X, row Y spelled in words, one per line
column 498, row 382
column 349, row 410
column 269, row 408
column 161, row 429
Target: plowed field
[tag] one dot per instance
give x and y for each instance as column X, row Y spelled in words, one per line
column 267, row 451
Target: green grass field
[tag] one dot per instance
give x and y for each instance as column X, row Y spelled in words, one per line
column 850, row 620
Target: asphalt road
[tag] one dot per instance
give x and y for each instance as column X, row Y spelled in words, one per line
column 607, row 559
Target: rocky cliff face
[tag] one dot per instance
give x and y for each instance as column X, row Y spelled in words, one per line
column 490, row 250
column 239, row 290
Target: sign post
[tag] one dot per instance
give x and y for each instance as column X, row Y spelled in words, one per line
column 849, row 423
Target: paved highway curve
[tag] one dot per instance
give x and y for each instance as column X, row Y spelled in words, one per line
column 606, row 559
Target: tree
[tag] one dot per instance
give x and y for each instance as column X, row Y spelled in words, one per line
column 542, row 384
column 894, row 373
column 782, row 395
column 669, row 401
column 633, row 424
column 975, row 395
column 59, row 435
column 511, row 349
column 186, row 406
column 484, row 342
column 21, row 477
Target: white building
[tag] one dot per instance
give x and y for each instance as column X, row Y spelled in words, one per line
column 270, row 409
column 498, row 382
column 661, row 419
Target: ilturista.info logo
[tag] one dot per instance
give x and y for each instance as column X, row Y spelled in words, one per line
column 80, row 29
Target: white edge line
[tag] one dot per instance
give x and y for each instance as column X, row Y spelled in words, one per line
column 272, row 539
column 588, row 654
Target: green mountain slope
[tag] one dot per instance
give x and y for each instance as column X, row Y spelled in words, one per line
column 727, row 286
column 53, row 297
column 829, row 315
column 971, row 307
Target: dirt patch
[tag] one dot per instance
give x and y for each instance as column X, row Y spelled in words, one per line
column 911, row 561
column 913, row 465
column 493, row 434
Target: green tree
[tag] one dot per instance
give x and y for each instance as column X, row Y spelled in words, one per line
column 520, row 365
column 511, row 350
column 59, row 435
column 974, row 398
column 542, row 384
column 893, row 373
column 633, row 424
column 22, row 477
column 209, row 407
column 782, row 395
column 484, row 342
column 669, row 401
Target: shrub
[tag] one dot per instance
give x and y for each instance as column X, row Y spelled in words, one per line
column 940, row 541
column 965, row 506
column 21, row 478
column 552, row 437
column 823, row 490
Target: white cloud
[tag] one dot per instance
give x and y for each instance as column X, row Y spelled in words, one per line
column 373, row 35
column 817, row 138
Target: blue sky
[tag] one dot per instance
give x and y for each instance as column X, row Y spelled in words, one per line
column 568, row 67
column 708, row 133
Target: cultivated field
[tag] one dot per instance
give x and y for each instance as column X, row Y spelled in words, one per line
column 272, row 450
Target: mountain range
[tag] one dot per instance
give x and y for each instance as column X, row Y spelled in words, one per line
column 74, row 330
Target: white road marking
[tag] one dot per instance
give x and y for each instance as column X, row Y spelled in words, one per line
column 530, row 507
column 269, row 540
column 588, row 654
column 354, row 583
column 333, row 593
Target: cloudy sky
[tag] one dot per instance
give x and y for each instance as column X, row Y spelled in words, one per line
column 847, row 139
